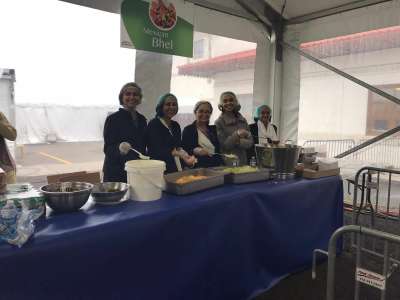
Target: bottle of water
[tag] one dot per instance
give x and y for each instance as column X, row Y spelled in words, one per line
column 253, row 162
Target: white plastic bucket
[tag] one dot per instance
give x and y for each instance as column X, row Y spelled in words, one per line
column 146, row 179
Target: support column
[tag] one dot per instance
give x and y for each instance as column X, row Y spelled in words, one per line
column 153, row 74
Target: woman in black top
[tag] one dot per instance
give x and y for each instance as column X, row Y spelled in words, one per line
column 125, row 125
column 200, row 138
column 163, row 136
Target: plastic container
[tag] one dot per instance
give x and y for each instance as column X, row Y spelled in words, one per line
column 146, row 179
column 214, row 179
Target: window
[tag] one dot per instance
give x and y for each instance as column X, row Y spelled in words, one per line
column 382, row 113
column 380, row 125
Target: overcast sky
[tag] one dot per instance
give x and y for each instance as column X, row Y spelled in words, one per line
column 63, row 53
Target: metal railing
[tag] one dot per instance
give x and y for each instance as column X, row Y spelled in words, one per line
column 362, row 275
column 375, row 230
column 385, row 152
column 376, row 204
column 331, row 147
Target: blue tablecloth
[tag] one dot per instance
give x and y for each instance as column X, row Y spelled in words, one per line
column 230, row 242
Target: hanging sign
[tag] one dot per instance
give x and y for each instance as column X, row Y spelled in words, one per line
column 370, row 278
column 163, row 26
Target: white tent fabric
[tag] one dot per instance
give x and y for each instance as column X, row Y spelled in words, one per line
column 369, row 18
column 49, row 123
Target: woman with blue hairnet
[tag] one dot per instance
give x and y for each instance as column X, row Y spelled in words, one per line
column 263, row 131
column 163, row 136
column 233, row 131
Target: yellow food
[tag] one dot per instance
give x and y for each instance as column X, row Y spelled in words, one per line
column 240, row 170
column 189, row 178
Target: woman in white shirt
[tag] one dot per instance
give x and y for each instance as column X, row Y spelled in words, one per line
column 262, row 130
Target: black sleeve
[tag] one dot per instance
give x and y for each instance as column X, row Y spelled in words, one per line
column 111, row 138
column 188, row 140
column 157, row 142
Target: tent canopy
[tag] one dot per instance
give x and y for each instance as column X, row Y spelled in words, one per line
column 277, row 70
column 295, row 11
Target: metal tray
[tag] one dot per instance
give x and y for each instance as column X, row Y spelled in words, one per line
column 260, row 175
column 214, row 178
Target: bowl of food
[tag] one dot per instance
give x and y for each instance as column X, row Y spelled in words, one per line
column 66, row 196
column 109, row 192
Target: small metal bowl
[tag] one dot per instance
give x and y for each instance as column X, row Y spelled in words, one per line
column 109, row 192
column 66, row 196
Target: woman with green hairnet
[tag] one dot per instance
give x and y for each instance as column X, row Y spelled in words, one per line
column 163, row 136
column 262, row 130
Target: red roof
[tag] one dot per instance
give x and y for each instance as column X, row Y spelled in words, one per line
column 373, row 40
column 217, row 64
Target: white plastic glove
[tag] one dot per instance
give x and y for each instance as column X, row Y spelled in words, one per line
column 189, row 160
column 124, row 148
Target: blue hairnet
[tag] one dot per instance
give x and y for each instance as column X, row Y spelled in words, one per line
column 257, row 113
column 160, row 103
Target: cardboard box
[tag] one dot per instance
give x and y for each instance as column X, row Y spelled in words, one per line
column 82, row 176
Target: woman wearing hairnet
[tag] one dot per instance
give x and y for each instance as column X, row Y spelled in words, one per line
column 126, row 126
column 233, row 131
column 200, row 138
column 262, row 130
column 163, row 136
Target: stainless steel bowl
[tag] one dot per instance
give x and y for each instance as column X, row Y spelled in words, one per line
column 109, row 192
column 66, row 196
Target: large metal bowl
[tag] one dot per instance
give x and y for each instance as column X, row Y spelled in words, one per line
column 66, row 196
column 109, row 192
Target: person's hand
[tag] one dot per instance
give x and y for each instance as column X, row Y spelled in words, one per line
column 175, row 152
column 190, row 160
column 3, row 181
column 124, row 148
column 182, row 154
column 200, row 151
column 243, row 133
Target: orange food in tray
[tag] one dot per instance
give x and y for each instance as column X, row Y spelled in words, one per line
column 189, row 178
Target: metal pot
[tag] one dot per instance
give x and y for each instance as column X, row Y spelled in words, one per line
column 264, row 156
column 283, row 159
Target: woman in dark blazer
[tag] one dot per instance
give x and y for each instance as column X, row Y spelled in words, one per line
column 125, row 125
column 163, row 136
column 200, row 139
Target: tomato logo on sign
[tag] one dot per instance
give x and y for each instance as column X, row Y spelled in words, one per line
column 162, row 14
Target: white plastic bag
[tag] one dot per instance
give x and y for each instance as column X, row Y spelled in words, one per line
column 17, row 224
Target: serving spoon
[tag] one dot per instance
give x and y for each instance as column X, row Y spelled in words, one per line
column 125, row 147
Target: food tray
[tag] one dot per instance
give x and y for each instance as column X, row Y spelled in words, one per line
column 214, row 178
column 313, row 174
column 260, row 175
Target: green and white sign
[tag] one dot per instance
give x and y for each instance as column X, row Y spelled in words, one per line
column 162, row 26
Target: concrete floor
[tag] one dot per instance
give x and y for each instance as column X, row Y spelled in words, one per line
column 35, row 162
